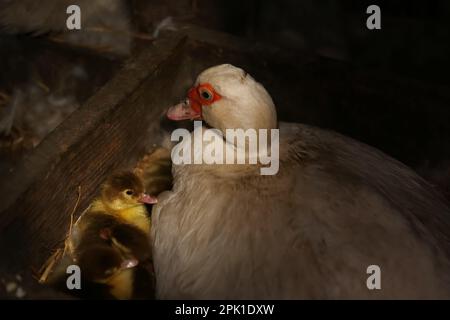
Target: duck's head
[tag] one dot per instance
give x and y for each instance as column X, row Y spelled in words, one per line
column 226, row 97
column 124, row 190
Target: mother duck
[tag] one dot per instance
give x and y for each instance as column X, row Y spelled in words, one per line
column 314, row 230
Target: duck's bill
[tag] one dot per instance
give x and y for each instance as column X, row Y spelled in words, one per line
column 145, row 198
column 182, row 111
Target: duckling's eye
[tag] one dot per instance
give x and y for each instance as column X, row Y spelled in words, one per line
column 206, row 94
column 129, row 192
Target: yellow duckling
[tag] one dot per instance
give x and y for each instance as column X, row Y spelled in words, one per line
column 123, row 196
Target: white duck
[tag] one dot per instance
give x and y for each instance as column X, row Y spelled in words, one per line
column 335, row 207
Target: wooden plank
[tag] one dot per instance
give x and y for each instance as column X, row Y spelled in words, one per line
column 259, row 50
column 110, row 131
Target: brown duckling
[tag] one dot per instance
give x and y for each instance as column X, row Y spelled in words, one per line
column 109, row 252
column 155, row 171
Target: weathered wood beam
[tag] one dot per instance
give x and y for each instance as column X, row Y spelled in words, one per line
column 111, row 130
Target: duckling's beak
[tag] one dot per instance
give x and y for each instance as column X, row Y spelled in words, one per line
column 129, row 263
column 184, row 111
column 145, row 198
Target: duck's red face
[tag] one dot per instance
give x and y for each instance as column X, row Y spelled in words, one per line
column 199, row 96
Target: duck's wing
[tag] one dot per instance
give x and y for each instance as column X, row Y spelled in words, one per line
column 356, row 166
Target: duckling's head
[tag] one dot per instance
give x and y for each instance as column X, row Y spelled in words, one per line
column 124, row 190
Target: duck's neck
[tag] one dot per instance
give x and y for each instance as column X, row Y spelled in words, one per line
column 237, row 153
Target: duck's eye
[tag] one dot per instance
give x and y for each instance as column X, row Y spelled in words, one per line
column 129, row 192
column 206, row 94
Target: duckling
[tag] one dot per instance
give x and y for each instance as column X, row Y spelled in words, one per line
column 111, row 243
column 104, row 273
column 114, row 257
column 122, row 196
column 155, row 170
